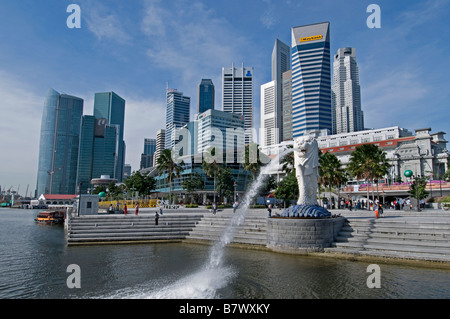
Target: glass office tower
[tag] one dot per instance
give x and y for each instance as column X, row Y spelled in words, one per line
column 205, row 96
column 311, row 79
column 110, row 106
column 98, row 146
column 58, row 147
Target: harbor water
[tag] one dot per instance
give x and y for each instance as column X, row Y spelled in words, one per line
column 35, row 259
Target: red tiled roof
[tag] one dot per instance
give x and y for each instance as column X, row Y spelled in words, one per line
column 352, row 147
column 58, row 196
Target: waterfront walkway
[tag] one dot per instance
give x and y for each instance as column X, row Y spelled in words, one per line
column 408, row 235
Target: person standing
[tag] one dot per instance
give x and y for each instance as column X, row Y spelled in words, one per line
column 269, row 209
column 156, row 218
column 136, row 209
column 125, row 209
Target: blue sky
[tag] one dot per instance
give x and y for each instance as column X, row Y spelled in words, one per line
column 135, row 47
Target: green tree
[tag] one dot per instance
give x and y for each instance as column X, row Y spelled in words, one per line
column 193, row 183
column 254, row 159
column 330, row 170
column 166, row 164
column 143, row 184
column 368, row 162
column 287, row 189
column 418, row 189
column 225, row 182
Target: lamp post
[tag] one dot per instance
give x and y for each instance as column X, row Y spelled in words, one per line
column 235, row 185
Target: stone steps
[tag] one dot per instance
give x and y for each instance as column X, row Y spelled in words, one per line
column 252, row 231
column 121, row 228
column 407, row 238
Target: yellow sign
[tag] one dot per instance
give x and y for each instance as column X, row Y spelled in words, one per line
column 313, row 38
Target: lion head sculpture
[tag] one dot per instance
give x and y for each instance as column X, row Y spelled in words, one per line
column 306, row 154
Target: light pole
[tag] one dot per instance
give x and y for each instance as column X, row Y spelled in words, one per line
column 235, row 185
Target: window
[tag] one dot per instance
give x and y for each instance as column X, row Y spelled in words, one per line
column 89, row 205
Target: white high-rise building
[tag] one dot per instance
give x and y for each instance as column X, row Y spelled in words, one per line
column 160, row 145
column 346, row 94
column 237, row 95
column 270, row 128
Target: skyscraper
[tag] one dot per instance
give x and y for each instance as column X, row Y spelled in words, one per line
column 110, row 106
column 311, row 79
column 287, row 105
column 347, row 114
column 177, row 115
column 237, row 95
column 270, row 125
column 160, row 145
column 205, row 96
column 98, row 148
column 59, row 140
column 281, row 63
column 149, row 150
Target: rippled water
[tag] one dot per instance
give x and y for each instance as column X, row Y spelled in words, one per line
column 34, row 259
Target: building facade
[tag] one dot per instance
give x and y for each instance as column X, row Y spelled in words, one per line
column 237, row 95
column 281, row 63
column 110, row 106
column 58, row 146
column 270, row 124
column 311, row 79
column 346, row 93
column 223, row 131
column 424, row 153
column 99, row 144
column 287, row 106
column 149, row 151
column 160, row 145
column 206, row 96
column 177, row 115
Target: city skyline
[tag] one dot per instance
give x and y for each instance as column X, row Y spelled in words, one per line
column 135, row 49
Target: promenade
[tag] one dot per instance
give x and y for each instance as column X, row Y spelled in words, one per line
column 398, row 235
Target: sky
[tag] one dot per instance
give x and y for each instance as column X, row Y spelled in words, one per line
column 137, row 48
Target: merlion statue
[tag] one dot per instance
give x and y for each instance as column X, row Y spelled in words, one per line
column 306, row 164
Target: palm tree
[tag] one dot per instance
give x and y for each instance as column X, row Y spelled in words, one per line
column 330, row 170
column 368, row 162
column 211, row 169
column 250, row 163
column 165, row 163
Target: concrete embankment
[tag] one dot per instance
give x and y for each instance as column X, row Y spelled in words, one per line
column 120, row 229
column 403, row 235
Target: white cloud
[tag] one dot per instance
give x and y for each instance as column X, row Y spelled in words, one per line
column 191, row 41
column 20, row 124
column 143, row 117
column 103, row 24
column 270, row 15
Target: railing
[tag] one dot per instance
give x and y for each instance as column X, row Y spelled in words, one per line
column 433, row 185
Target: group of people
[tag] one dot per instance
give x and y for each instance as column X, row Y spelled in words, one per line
column 111, row 209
